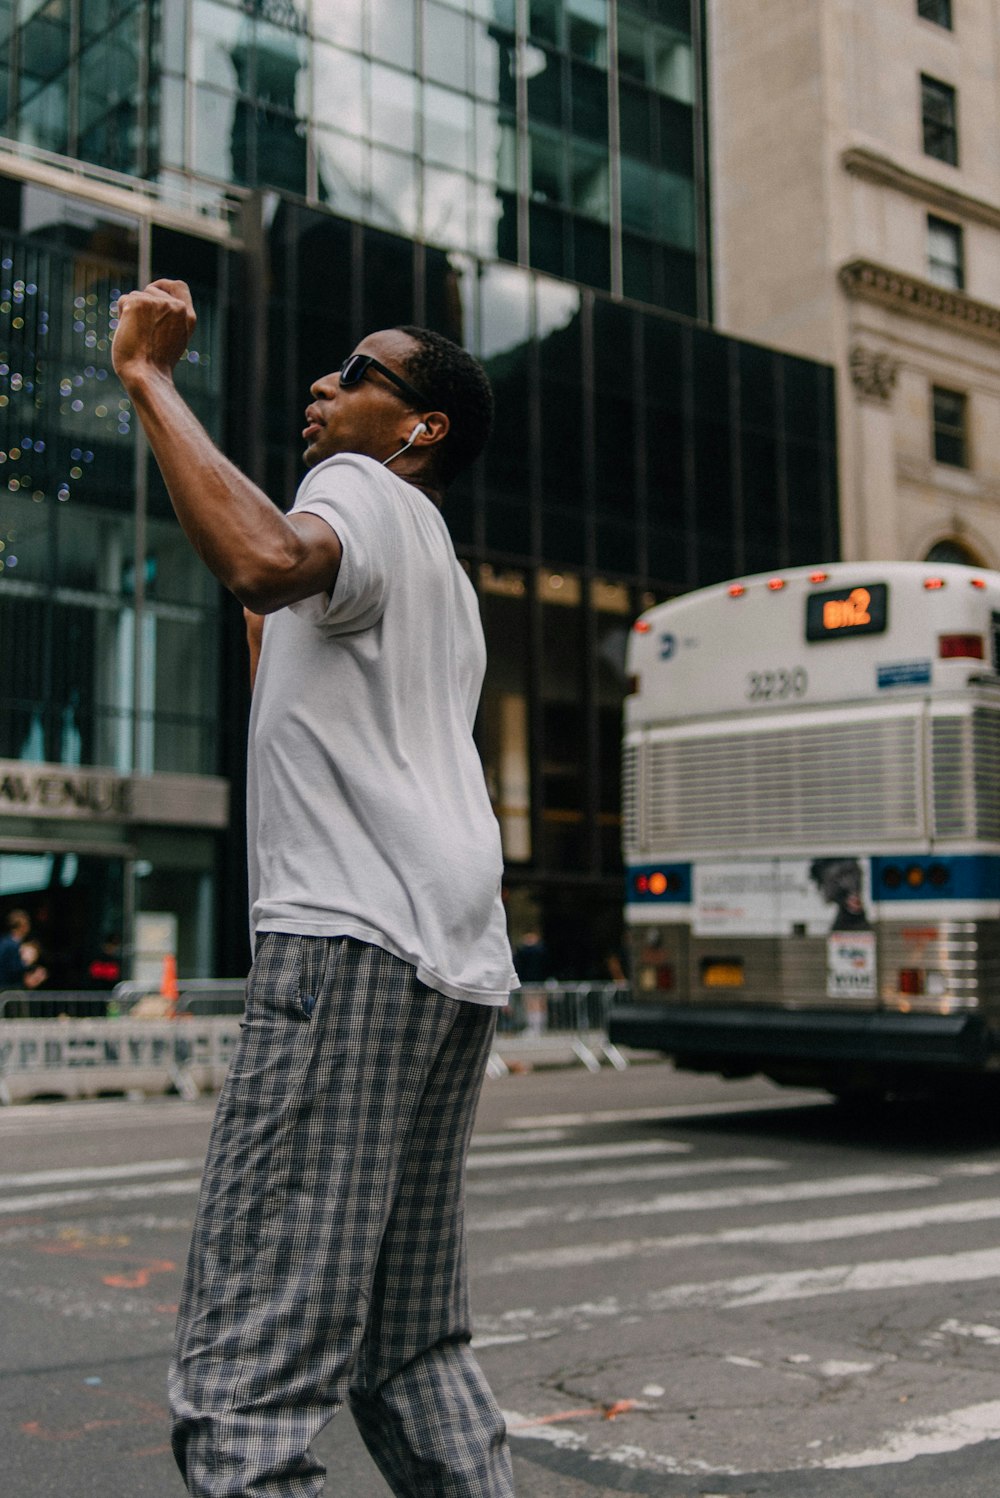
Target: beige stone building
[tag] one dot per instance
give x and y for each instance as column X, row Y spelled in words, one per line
column 855, row 157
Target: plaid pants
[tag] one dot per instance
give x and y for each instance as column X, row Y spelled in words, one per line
column 328, row 1255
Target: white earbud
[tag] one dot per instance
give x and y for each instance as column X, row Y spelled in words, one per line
column 418, row 431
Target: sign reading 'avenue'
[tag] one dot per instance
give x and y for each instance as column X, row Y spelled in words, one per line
column 42, row 790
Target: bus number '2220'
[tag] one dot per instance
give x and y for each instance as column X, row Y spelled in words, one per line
column 775, row 686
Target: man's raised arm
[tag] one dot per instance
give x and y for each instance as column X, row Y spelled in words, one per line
column 266, row 558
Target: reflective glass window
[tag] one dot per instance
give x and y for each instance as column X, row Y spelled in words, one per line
column 341, row 165
column 220, row 41
column 587, row 30
column 589, row 99
column 589, row 181
column 391, row 32
column 939, row 118
column 495, row 147
column 394, row 107
column 448, row 127
column 446, row 208
column 338, row 21
column 503, row 724
column 490, row 56
column 394, row 191
column 548, row 167
column 173, row 35
column 212, row 144
column 545, row 88
column 446, row 46
column 545, row 21
column 338, row 89
column 44, row 117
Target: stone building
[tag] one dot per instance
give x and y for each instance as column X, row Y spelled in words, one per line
column 855, row 151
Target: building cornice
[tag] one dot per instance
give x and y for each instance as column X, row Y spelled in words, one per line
column 881, row 170
column 866, row 281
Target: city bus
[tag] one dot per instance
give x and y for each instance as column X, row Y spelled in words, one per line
column 811, row 828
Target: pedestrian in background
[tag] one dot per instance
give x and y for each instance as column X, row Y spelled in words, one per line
column 328, row 1256
column 20, row 955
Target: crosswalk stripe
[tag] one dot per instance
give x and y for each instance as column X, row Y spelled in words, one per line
column 620, row 1174
column 47, row 1199
column 929, row 1435
column 838, row 1279
column 98, row 1173
column 501, row 1159
column 704, row 1201
column 673, row 1111
column 525, row 1136
column 815, row 1230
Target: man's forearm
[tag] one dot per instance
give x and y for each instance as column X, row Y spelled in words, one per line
column 232, row 524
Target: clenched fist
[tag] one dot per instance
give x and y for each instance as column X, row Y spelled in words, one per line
column 154, row 329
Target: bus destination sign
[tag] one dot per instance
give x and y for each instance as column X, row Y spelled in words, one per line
column 842, row 612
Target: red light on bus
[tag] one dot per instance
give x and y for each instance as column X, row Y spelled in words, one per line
column 977, row 582
column 961, row 647
column 736, row 590
column 775, row 584
column 818, row 577
column 642, row 626
column 657, row 883
column 911, row 980
column 932, row 584
column 641, row 884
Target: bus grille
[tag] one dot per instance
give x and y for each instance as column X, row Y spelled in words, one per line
column 811, row 785
column 630, row 799
column 986, row 771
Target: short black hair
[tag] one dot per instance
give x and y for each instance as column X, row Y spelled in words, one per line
column 457, row 384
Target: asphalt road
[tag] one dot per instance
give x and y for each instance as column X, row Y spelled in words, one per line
column 682, row 1287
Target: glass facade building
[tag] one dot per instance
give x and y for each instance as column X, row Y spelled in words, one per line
column 528, row 179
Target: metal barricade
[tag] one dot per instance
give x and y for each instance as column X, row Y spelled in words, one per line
column 553, row 1021
column 19, row 1003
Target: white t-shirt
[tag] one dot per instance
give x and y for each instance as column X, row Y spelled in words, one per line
column 367, row 810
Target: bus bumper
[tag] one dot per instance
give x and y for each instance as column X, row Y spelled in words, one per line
column 717, row 1038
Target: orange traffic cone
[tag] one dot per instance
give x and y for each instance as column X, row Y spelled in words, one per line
column 168, row 983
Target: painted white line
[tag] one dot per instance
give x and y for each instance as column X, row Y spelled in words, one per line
column 704, row 1201
column 980, row 1331
column 620, row 1174
column 839, row 1279
column 813, row 1230
column 504, row 1158
column 527, row 1136
column 928, row 1436
column 49, row 1199
column 672, row 1111
column 98, row 1173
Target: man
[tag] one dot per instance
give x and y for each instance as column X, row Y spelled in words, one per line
column 20, row 965
column 328, row 1252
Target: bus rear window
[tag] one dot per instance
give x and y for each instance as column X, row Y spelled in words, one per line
column 842, row 612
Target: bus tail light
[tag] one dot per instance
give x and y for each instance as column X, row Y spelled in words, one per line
column 736, row 590
column 933, row 584
column 911, row 981
column 961, row 647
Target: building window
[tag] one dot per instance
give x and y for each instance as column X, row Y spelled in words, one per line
column 951, row 441
column 938, row 11
column 945, row 258
column 939, row 115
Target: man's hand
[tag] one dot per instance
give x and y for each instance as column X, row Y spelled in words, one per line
column 154, row 329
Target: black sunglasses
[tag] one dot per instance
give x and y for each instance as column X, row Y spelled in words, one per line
column 352, row 372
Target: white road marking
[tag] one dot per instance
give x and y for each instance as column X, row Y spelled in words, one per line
column 503, row 1158
column 979, row 1330
column 671, row 1111
column 528, row 1136
column 98, row 1173
column 704, row 1201
column 838, row 1279
column 618, row 1175
column 813, row 1230
column 45, row 1200
column 928, row 1436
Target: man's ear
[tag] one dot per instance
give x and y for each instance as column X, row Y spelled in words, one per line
column 436, row 427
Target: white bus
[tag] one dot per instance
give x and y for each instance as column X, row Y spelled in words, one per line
column 812, row 827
